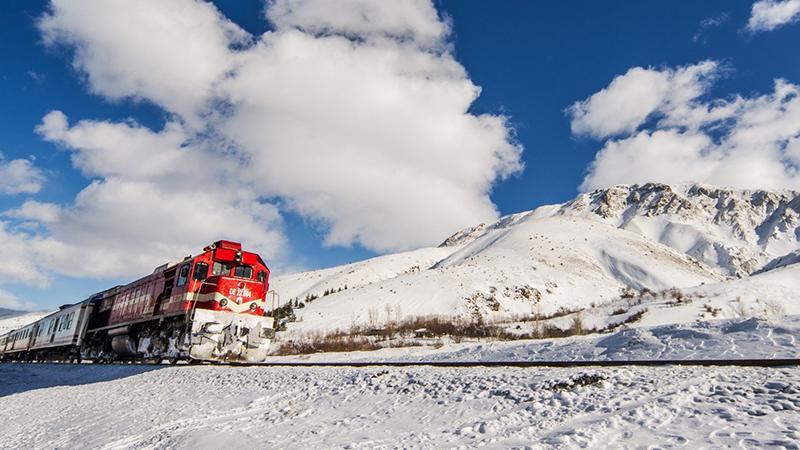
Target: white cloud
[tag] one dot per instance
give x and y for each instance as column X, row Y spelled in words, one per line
column 126, row 150
column 19, row 261
column 748, row 142
column 371, row 138
column 20, row 176
column 11, row 301
column 413, row 20
column 36, row 211
column 168, row 52
column 767, row 15
column 156, row 196
column 355, row 117
column 632, row 98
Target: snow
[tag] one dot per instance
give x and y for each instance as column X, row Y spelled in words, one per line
column 563, row 263
column 736, row 230
column 733, row 253
column 361, row 273
column 212, row 406
column 720, row 339
column 12, row 320
column 121, row 407
column 609, row 256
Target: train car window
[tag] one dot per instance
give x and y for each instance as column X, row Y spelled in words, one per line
column 243, row 272
column 183, row 276
column 262, row 276
column 200, row 271
column 221, row 268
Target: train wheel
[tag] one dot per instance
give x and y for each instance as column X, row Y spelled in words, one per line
column 173, row 361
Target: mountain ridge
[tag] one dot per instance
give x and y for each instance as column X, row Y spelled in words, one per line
column 570, row 256
column 755, row 227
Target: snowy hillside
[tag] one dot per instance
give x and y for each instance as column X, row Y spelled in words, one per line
column 530, row 266
column 12, row 320
column 361, row 273
column 626, row 246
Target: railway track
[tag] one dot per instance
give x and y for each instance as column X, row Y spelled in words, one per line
column 779, row 362
column 782, row 362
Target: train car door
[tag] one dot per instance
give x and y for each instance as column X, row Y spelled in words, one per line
column 55, row 328
column 169, row 280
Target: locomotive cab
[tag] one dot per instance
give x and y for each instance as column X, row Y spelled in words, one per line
column 227, row 297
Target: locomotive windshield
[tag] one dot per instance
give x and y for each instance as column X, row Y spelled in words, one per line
column 221, row 268
column 225, row 268
column 243, row 272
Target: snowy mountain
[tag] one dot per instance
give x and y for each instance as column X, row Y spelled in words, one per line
column 739, row 231
column 590, row 253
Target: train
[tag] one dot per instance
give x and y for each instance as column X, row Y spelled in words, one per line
column 208, row 307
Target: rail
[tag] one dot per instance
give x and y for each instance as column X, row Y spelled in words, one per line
column 780, row 362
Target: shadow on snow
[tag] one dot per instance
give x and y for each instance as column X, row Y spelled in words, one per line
column 16, row 378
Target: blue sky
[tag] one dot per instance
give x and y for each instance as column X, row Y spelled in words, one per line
column 531, row 60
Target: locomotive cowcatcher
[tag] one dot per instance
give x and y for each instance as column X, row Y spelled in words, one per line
column 209, row 307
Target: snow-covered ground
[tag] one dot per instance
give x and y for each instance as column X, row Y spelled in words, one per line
column 721, row 339
column 120, row 407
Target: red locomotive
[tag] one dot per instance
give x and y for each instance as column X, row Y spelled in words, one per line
column 211, row 307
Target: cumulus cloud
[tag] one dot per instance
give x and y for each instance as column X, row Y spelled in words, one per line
column 20, row 176
column 749, row 142
column 767, row 15
column 355, row 117
column 155, row 196
column 373, row 138
column 413, row 20
column 170, row 53
column 36, row 211
column 632, row 98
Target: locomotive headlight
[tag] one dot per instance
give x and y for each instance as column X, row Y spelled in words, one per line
column 253, row 306
column 223, row 302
